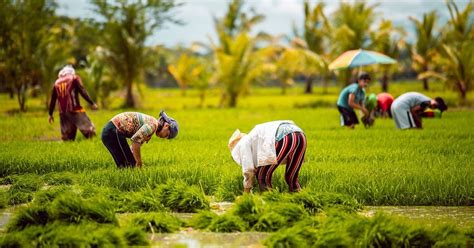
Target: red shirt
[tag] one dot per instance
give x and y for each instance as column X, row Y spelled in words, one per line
column 384, row 101
column 66, row 91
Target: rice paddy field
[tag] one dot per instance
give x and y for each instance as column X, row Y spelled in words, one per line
column 71, row 194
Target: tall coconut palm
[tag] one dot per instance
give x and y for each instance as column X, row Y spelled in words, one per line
column 426, row 44
column 351, row 29
column 316, row 36
column 388, row 40
column 457, row 50
column 127, row 26
column 181, row 72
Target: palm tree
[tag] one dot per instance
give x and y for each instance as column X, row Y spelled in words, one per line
column 351, row 29
column 316, row 35
column 182, row 71
column 24, row 26
column 388, row 40
column 128, row 25
column 426, row 45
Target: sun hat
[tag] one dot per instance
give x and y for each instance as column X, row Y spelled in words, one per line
column 235, row 138
column 441, row 105
column 173, row 124
column 66, row 70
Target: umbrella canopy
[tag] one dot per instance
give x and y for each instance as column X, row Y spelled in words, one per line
column 360, row 57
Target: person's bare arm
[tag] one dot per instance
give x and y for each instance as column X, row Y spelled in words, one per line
column 355, row 105
column 416, row 113
column 52, row 104
column 136, row 153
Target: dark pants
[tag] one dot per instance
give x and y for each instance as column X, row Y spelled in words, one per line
column 116, row 143
column 348, row 116
column 71, row 121
column 291, row 148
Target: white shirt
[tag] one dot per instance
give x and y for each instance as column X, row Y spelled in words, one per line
column 257, row 149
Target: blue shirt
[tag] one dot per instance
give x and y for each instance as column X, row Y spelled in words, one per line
column 358, row 92
column 286, row 128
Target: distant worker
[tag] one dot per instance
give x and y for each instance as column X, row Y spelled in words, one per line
column 139, row 128
column 72, row 116
column 353, row 97
column 267, row 146
column 384, row 102
column 408, row 108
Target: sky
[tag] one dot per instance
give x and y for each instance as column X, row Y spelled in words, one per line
column 280, row 15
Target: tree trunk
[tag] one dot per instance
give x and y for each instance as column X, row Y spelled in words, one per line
column 425, row 80
column 21, row 97
column 233, row 100
column 309, row 85
column 462, row 91
column 129, row 101
column 384, row 82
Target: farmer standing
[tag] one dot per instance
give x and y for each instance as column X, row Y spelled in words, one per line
column 353, row 97
column 139, row 128
column 72, row 116
column 264, row 148
column 407, row 109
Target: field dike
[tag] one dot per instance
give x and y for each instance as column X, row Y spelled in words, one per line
column 174, row 214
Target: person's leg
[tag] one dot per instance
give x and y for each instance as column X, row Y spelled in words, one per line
column 117, row 145
column 68, row 129
column 295, row 161
column 84, row 124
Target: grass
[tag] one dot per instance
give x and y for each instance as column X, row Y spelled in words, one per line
column 378, row 166
column 75, row 187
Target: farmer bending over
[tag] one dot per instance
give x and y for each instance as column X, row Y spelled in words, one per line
column 264, row 148
column 139, row 128
column 407, row 109
column 353, row 97
column 72, row 116
column 384, row 102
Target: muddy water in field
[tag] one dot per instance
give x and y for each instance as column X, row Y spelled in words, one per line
column 462, row 217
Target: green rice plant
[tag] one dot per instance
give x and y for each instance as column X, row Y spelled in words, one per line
column 47, row 196
column 303, row 234
column 3, row 198
column 134, row 236
column 13, row 240
column 179, row 197
column 27, row 183
column 202, row 219
column 292, row 212
column 72, row 209
column 30, row 216
column 156, row 222
column 18, row 197
column 142, row 201
column 227, row 223
column 7, row 180
column 63, row 178
column 270, row 222
column 249, row 208
column 229, row 187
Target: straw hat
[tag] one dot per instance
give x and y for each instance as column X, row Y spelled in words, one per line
column 235, row 138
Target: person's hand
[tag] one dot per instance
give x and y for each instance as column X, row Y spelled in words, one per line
column 139, row 164
column 51, row 119
column 246, row 190
column 94, row 107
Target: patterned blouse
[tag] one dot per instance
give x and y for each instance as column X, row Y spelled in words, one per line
column 137, row 126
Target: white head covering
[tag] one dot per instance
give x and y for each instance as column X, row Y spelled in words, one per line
column 235, row 138
column 67, row 70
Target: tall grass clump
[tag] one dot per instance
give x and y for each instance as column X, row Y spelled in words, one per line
column 156, row 222
column 342, row 229
column 73, row 209
column 227, row 223
column 202, row 220
column 180, row 197
column 3, row 198
column 23, row 188
column 62, row 178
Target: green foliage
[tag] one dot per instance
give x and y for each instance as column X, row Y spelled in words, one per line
column 30, row 216
column 157, row 222
column 202, row 219
column 180, row 197
column 249, row 208
column 134, row 237
column 73, row 209
column 227, row 223
column 64, row 178
column 3, row 198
